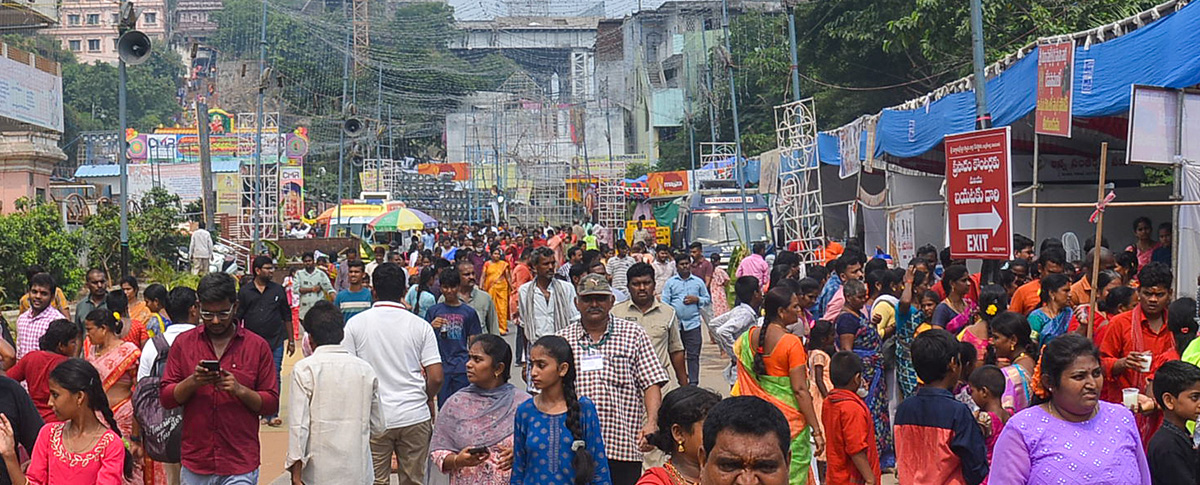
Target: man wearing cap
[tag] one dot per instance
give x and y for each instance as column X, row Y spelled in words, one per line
column 619, row 371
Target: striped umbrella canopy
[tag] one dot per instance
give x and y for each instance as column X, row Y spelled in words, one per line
column 399, row 220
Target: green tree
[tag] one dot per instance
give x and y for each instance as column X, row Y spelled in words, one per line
column 153, row 232
column 859, row 56
column 35, row 234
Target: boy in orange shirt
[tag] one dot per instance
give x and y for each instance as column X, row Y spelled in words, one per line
column 850, row 452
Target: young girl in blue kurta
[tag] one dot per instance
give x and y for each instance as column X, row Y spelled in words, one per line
column 556, row 437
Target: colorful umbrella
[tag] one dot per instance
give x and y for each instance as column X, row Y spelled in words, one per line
column 398, row 220
column 426, row 218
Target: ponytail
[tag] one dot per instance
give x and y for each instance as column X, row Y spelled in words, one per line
column 584, row 464
column 776, row 299
column 78, row 375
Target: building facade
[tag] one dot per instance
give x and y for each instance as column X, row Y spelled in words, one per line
column 89, row 27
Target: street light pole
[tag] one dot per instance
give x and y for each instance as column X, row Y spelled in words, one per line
column 123, row 160
column 258, row 171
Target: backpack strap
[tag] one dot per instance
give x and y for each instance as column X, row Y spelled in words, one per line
column 160, row 360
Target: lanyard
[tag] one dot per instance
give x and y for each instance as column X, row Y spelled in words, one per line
column 587, row 339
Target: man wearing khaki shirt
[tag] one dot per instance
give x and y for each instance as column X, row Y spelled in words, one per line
column 657, row 319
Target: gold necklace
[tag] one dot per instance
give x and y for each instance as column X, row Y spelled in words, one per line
column 677, row 477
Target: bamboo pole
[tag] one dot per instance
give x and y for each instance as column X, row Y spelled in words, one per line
column 1099, row 237
column 1086, row 205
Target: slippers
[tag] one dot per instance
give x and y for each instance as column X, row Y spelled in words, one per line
column 275, row 423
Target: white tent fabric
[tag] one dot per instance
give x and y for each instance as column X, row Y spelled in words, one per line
column 1188, row 234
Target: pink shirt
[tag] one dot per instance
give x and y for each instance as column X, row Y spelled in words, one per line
column 754, row 265
column 834, row 308
column 30, row 329
column 52, row 463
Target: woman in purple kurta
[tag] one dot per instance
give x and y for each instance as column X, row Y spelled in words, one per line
column 1071, row 436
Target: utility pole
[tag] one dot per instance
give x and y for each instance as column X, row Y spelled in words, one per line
column 258, row 171
column 737, row 130
column 983, row 119
column 205, row 164
column 708, row 79
column 687, row 116
column 379, row 117
column 342, row 138
column 791, row 17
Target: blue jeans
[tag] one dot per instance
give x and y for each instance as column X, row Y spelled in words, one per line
column 186, row 477
column 450, row 385
column 277, row 354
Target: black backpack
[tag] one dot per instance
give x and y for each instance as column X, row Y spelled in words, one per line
column 162, row 428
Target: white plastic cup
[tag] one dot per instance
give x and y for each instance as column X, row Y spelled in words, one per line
column 1147, row 359
column 1129, row 396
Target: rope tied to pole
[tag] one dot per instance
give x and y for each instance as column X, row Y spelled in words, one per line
column 1100, row 206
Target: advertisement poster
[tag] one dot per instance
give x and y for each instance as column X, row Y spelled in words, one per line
column 30, row 95
column 979, row 194
column 291, row 192
column 667, row 184
column 228, row 186
column 458, row 171
column 902, row 245
column 1053, row 116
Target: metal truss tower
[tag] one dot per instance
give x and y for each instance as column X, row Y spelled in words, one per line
column 798, row 206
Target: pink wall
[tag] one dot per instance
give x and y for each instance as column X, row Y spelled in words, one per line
column 16, row 184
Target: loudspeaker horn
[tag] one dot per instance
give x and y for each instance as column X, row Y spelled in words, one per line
column 353, row 127
column 133, row 47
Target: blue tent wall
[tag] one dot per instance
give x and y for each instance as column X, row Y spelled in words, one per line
column 1165, row 52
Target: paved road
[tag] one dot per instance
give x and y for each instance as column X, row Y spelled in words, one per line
column 274, row 440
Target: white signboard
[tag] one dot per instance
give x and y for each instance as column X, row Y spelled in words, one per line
column 1154, row 125
column 30, row 95
column 902, row 245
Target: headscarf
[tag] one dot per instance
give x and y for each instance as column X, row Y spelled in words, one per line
column 475, row 416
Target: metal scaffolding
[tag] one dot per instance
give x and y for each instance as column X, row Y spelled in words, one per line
column 798, row 206
column 529, row 131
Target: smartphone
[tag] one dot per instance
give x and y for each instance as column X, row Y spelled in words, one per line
column 478, row 450
column 211, row 365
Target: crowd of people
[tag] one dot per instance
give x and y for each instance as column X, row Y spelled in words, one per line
column 1034, row 370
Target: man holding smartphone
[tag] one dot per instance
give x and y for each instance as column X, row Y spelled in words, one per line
column 220, row 408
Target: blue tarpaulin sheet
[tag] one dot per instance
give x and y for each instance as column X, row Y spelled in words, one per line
column 1162, row 53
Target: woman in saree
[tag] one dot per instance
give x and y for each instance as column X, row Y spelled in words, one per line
column 908, row 318
column 498, row 282
column 856, row 332
column 773, row 365
column 117, row 362
column 1053, row 318
column 1011, row 349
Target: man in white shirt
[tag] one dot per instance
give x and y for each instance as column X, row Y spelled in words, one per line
column 183, row 311
column 200, row 250
column 730, row 326
column 546, row 304
column 403, row 350
column 333, row 407
column 664, row 268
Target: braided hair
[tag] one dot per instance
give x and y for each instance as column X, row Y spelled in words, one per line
column 560, row 350
column 775, row 300
column 78, row 375
column 423, row 281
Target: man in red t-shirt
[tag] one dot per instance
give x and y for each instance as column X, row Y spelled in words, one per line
column 850, row 453
column 1133, row 333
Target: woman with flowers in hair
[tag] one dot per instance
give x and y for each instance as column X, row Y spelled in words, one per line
column 992, row 300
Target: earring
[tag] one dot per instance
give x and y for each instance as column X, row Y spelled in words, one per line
column 1012, row 347
column 681, row 447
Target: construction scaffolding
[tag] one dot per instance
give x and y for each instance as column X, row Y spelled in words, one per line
column 264, row 214
column 610, row 202
column 798, row 205
column 527, row 125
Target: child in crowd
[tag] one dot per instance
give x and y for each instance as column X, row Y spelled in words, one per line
column 850, row 443
column 929, row 302
column 1171, row 455
column 820, row 346
column 962, row 390
column 455, row 324
column 156, row 301
column 937, row 440
column 556, row 435
column 987, row 387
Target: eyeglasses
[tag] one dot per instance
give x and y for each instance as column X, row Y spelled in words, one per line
column 210, row 316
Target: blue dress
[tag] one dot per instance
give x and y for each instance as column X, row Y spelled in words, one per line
column 542, row 446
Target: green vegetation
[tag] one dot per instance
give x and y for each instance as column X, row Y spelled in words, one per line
column 860, row 56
